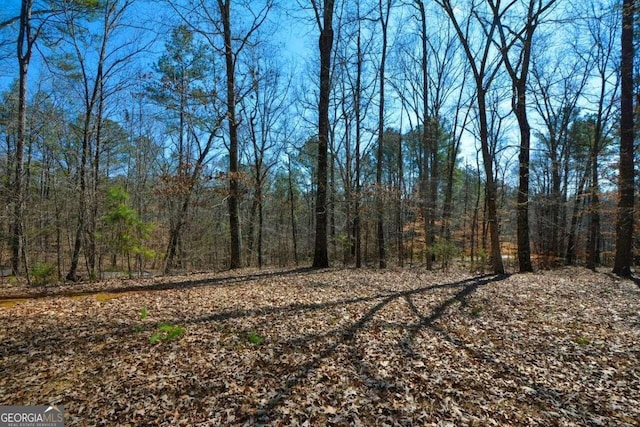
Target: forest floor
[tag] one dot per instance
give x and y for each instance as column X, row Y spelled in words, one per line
column 333, row 347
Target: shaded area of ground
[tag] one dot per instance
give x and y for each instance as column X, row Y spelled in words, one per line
column 334, row 347
column 121, row 285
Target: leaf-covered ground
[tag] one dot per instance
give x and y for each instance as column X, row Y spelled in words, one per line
column 335, row 347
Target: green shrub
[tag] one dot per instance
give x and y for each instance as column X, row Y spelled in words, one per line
column 445, row 250
column 480, row 262
column 43, row 273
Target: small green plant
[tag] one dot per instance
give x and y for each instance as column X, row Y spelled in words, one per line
column 137, row 329
column 166, row 332
column 476, row 311
column 144, row 313
column 255, row 338
column 581, row 341
column 42, row 273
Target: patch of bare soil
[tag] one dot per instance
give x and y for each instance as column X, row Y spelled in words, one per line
column 334, row 347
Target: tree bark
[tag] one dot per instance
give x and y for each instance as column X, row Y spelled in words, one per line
column 384, row 19
column 624, row 225
column 400, row 191
column 426, row 197
column 593, row 238
column 234, row 175
column 357, row 227
column 325, row 42
column 24, row 51
column 292, row 213
column 491, row 188
column 575, row 217
column 524, row 247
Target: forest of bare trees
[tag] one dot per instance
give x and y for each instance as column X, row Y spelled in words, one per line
column 153, row 137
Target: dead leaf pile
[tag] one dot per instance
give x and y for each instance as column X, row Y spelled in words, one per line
column 333, row 347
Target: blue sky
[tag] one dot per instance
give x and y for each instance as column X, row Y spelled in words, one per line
column 298, row 40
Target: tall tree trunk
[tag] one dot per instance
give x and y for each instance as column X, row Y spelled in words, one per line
column 253, row 212
column 260, row 227
column 293, row 215
column 93, row 94
column 332, row 200
column 491, row 188
column 175, row 234
column 593, row 238
column 556, row 203
column 347, row 250
column 325, row 42
column 524, row 247
column 447, row 205
column 24, row 50
column 234, row 176
column 72, row 275
column 93, row 217
column 400, row 191
column 426, row 199
column 384, row 19
column 434, row 178
column 624, row 225
column 575, row 217
column 357, row 228
column 518, row 72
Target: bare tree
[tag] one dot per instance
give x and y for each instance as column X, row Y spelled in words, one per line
column 624, row 225
column 323, row 11
column 27, row 36
column 516, row 46
column 185, row 95
column 601, row 27
column 263, row 113
column 89, row 64
column 384, row 9
column 218, row 29
column 484, row 67
column 557, row 84
column 31, row 23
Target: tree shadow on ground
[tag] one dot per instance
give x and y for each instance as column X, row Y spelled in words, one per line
column 70, row 289
column 102, row 330
column 267, row 412
column 315, row 348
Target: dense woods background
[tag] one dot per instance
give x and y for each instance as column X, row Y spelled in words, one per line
column 207, row 134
